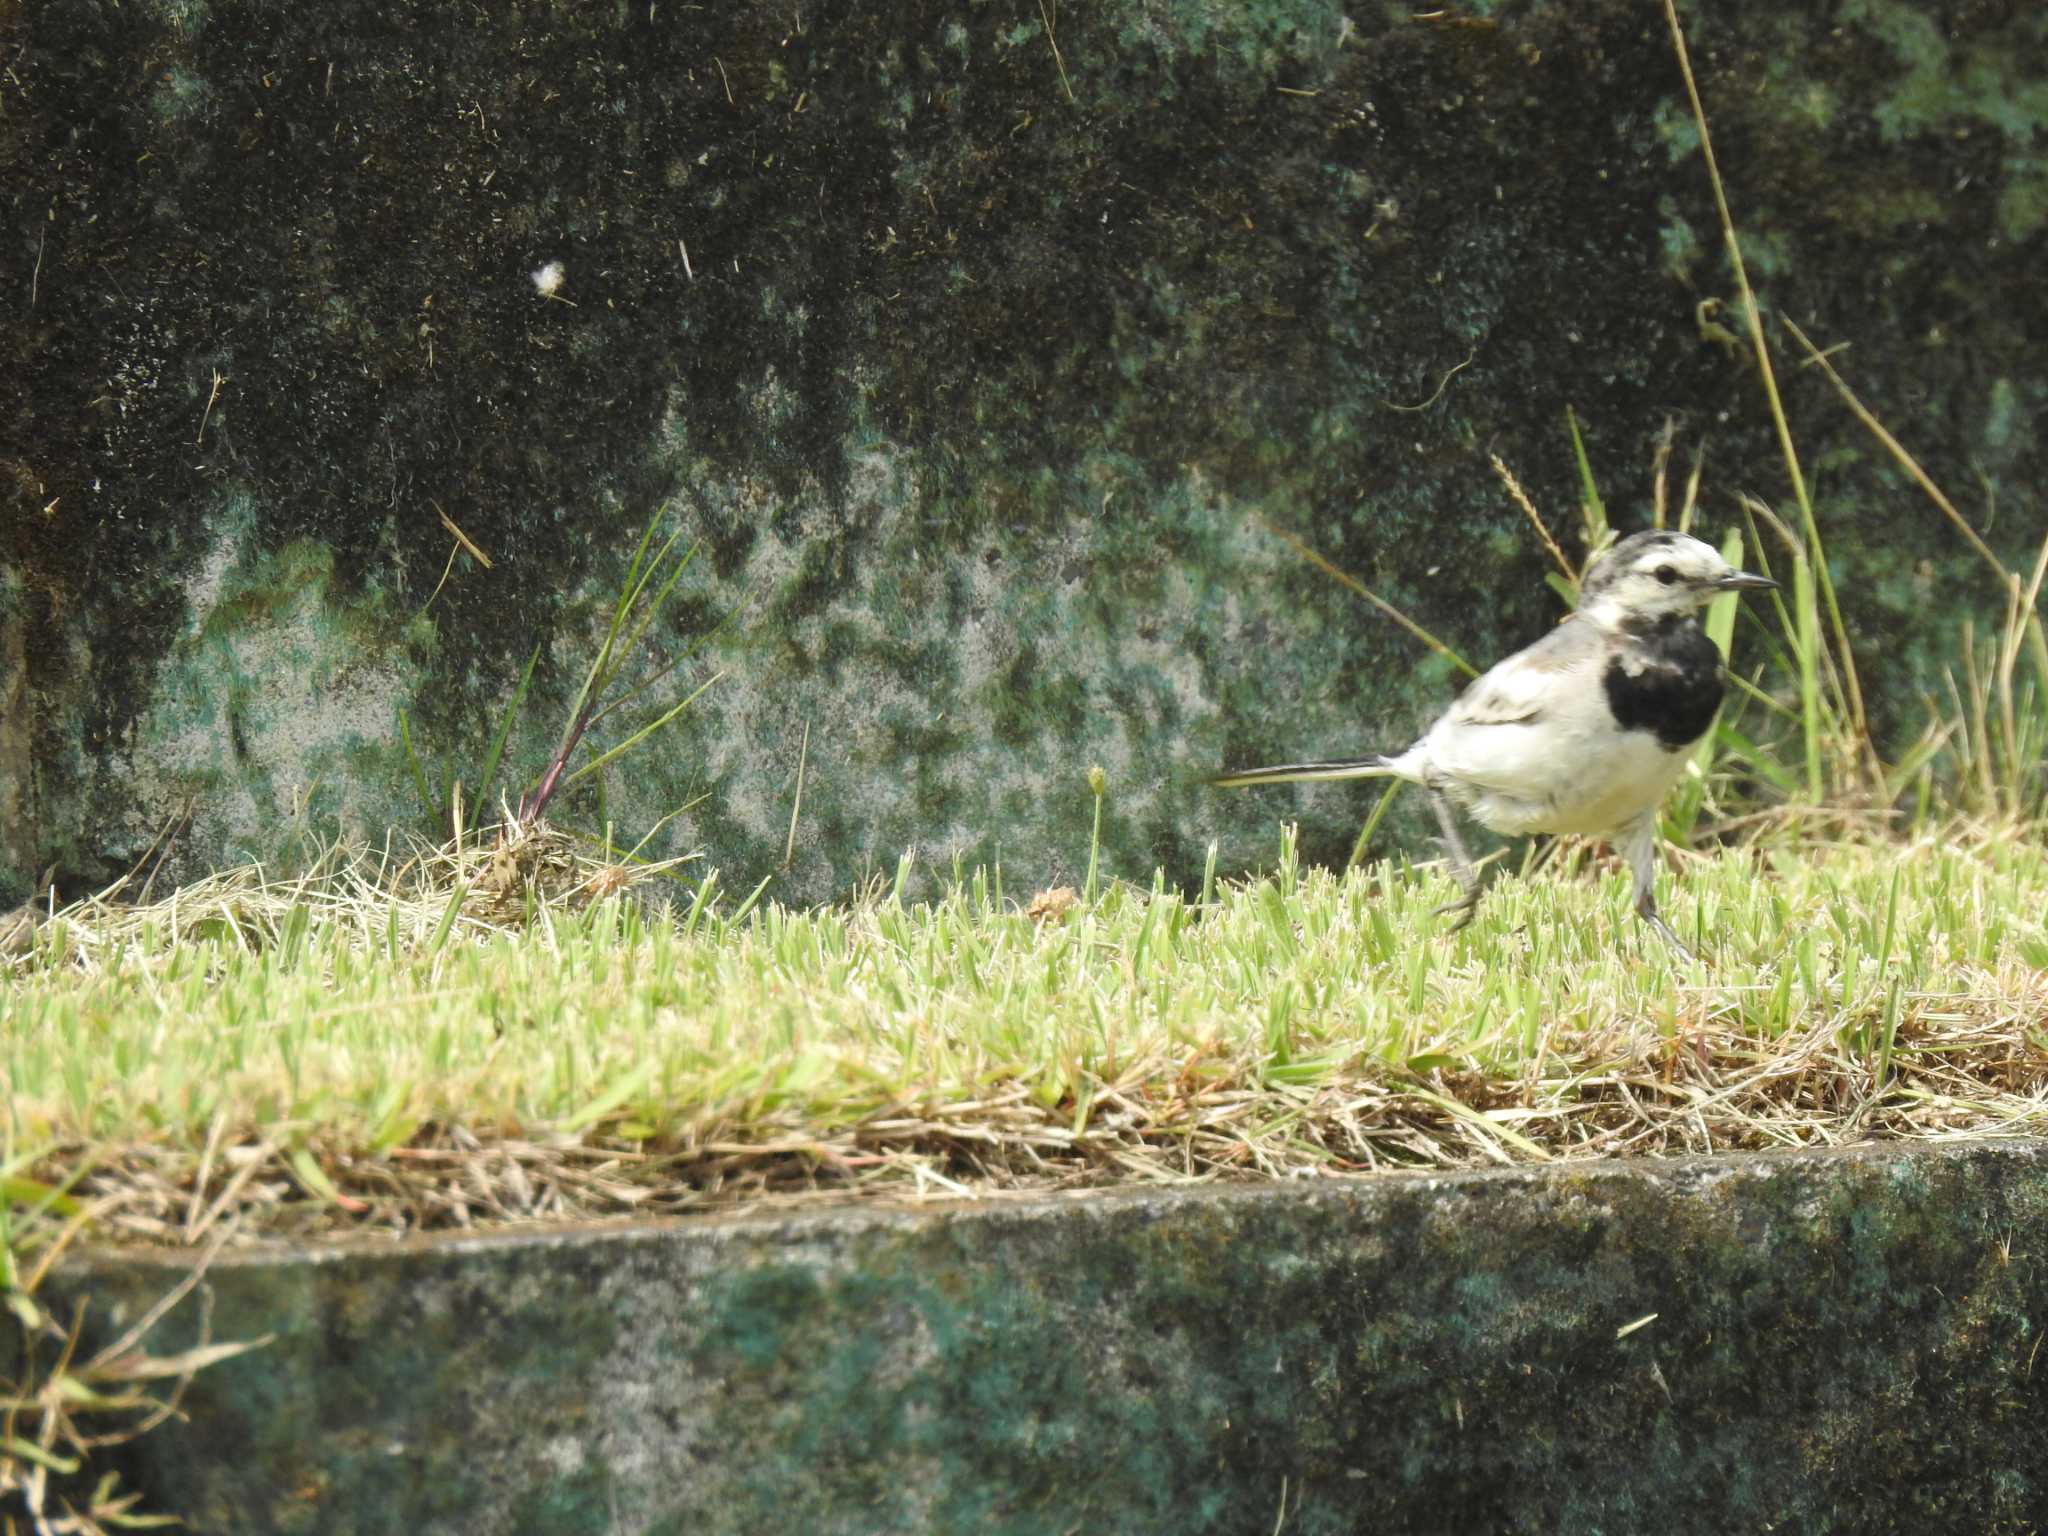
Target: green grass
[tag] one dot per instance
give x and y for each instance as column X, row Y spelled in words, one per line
column 264, row 1055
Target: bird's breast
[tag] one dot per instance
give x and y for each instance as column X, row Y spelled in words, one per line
column 1665, row 681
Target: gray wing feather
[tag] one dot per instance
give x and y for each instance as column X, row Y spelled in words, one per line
column 1520, row 689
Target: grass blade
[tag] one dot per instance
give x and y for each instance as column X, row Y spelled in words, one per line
column 419, row 774
column 497, row 749
column 640, row 735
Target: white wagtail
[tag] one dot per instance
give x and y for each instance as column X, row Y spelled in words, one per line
column 1585, row 730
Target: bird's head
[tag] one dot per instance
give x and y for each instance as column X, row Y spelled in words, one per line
column 1649, row 576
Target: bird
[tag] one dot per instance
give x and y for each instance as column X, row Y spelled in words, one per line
column 1582, row 732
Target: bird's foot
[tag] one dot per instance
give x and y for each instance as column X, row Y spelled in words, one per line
column 1663, row 931
column 1464, row 906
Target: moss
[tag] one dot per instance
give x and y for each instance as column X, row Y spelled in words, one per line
column 1946, row 87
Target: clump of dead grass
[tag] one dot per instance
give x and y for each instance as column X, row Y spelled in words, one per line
column 494, row 881
column 62, row 1407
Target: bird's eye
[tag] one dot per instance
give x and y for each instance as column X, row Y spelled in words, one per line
column 1666, row 574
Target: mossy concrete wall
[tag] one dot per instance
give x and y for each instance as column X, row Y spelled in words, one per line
column 971, row 341
column 1811, row 1342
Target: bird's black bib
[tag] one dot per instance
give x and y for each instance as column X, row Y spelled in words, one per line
column 1675, row 686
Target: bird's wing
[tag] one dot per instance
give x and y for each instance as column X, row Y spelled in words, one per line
column 1525, row 728
column 1525, row 687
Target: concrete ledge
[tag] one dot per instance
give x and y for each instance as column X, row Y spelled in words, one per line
column 1837, row 1342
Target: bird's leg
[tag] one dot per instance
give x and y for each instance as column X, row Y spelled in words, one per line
column 1461, row 861
column 1639, row 843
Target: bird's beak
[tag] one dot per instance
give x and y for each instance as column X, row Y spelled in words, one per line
column 1744, row 581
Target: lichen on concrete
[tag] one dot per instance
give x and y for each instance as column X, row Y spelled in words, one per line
column 1815, row 1341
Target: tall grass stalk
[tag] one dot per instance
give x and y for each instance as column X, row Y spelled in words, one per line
column 1850, row 700
column 1833, row 720
column 1098, row 786
column 2022, row 712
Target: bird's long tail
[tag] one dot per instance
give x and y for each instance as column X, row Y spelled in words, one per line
column 1295, row 773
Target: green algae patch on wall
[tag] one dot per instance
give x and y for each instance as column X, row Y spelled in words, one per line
column 271, row 715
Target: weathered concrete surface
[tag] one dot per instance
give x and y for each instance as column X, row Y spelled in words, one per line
column 968, row 358
column 1822, row 1342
